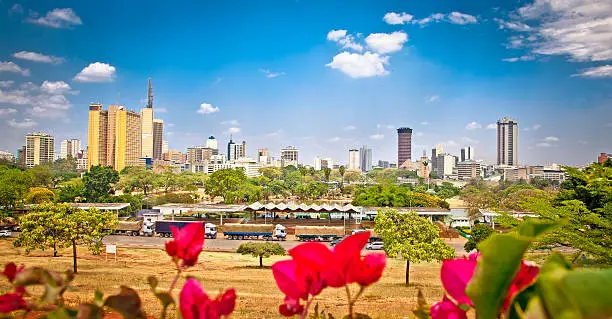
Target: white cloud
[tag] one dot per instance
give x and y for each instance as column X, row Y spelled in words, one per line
column 161, row 110
column 28, row 86
column 96, row 72
column 449, row 143
column 269, row 74
column 468, row 140
column 425, row 123
column 230, row 122
column 347, row 41
column 544, row 144
column 384, row 43
column 453, row 17
column 358, row 65
column 7, row 111
column 275, row 133
column 521, row 58
column 387, row 126
column 336, row 35
column 377, row 137
column 6, row 84
column 534, row 127
column 37, row 57
column 59, row 87
column 419, row 134
column 473, row 126
column 334, row 139
column 433, row 98
column 350, row 128
column 604, row 71
column 579, row 29
column 551, row 139
column 16, row 9
column 461, row 18
column 14, row 68
column 206, row 108
column 27, row 123
column 491, row 126
column 512, row 25
column 233, row 130
column 397, row 18
column 58, row 18
column 169, row 124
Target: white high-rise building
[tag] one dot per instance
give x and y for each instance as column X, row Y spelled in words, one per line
column 507, row 142
column 445, row 163
column 235, row 151
column 321, row 163
column 70, row 148
column 289, row 156
column 164, row 147
column 467, row 153
column 353, row 163
column 211, row 143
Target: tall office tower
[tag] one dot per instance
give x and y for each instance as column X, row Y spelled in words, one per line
column 211, row 143
column 127, row 139
column 434, row 154
column 235, row 151
column 263, row 156
column 70, row 148
column 39, row 149
column 289, row 156
column 467, row 153
column 158, row 139
column 111, row 134
column 445, row 165
column 507, row 142
column 404, row 145
column 365, row 158
column 164, row 147
column 353, row 159
column 21, row 156
column 97, row 136
column 146, row 125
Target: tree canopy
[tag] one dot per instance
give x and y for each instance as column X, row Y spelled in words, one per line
column 99, row 183
column 261, row 250
column 390, row 195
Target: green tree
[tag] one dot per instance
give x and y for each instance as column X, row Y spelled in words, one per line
column 591, row 185
column 353, row 176
column 138, row 178
column 39, row 195
column 64, row 169
column 480, row 232
column 261, row 250
column 303, row 171
column 292, row 181
column 43, row 176
column 326, row 172
column 271, row 172
column 72, row 191
column 225, row 182
column 447, row 190
column 411, row 236
column 61, row 225
column 99, row 182
column 342, row 171
column 14, row 184
column 395, row 196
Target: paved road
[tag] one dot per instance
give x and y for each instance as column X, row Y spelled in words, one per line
column 221, row 244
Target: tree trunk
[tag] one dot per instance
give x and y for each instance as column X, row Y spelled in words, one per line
column 407, row 272
column 74, row 256
column 260, row 261
column 54, row 250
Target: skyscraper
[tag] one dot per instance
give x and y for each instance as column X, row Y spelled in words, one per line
column 404, row 145
column 70, row 148
column 235, row 151
column 211, row 143
column 353, row 159
column 158, row 139
column 146, row 125
column 263, row 156
column 289, row 156
column 127, row 139
column 97, row 136
column 467, row 153
column 434, row 154
column 507, row 142
column 365, row 158
column 39, row 149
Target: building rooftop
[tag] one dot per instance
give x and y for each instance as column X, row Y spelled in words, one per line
column 101, row 206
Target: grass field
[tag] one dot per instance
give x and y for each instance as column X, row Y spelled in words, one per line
column 258, row 296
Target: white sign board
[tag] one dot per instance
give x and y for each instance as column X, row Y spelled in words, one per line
column 111, row 249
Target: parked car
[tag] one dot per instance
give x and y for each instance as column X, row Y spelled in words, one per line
column 336, row 241
column 5, row 233
column 377, row 245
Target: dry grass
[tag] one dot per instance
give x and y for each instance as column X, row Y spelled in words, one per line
column 258, row 296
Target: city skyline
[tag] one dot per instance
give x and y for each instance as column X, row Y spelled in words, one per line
column 326, row 83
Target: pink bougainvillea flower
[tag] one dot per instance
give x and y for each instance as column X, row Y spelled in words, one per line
column 286, row 277
column 446, row 309
column 368, row 270
column 195, row 304
column 12, row 301
column 523, row 279
column 290, row 307
column 11, row 271
column 455, row 275
column 187, row 244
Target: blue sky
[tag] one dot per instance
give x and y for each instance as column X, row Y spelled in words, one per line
column 324, row 76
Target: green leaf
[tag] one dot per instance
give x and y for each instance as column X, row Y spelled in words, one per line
column 152, row 282
column 422, row 310
column 520, row 303
column 501, row 259
column 582, row 293
column 127, row 302
column 99, row 298
column 535, row 309
column 534, row 228
column 165, row 299
column 61, row 313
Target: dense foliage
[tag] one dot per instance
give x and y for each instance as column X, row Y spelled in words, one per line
column 390, row 195
column 261, row 250
column 479, row 233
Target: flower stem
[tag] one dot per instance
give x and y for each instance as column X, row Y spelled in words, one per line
column 350, row 302
column 178, row 274
column 305, row 312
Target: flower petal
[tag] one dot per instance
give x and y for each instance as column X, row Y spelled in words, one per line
column 446, row 309
column 314, row 256
column 285, row 274
column 227, row 302
column 10, row 271
column 367, row 271
column 11, row 302
column 523, row 279
column 455, row 275
column 193, row 301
